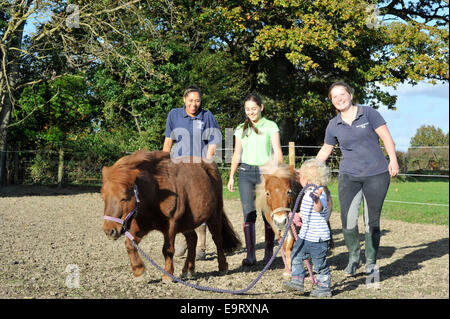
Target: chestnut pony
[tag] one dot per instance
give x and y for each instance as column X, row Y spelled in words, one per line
column 174, row 197
column 275, row 196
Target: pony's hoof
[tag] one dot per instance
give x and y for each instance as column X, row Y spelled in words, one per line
column 138, row 271
column 139, row 279
column 223, row 272
column 166, row 278
column 223, row 268
column 287, row 274
column 188, row 275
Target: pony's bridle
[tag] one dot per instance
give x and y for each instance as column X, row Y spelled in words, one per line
column 127, row 220
column 280, row 209
column 284, row 209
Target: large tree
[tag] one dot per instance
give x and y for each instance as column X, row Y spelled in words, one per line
column 138, row 56
column 83, row 33
column 298, row 48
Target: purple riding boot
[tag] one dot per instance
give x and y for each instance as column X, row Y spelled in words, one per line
column 250, row 239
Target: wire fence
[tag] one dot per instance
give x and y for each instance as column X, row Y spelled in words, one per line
column 49, row 167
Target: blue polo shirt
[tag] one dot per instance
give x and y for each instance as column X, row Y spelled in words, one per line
column 192, row 134
column 359, row 143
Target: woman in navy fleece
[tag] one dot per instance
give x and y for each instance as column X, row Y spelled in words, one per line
column 364, row 172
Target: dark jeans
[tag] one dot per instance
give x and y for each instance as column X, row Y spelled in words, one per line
column 249, row 177
column 316, row 250
column 352, row 190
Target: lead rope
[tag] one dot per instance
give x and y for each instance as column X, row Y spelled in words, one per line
column 235, row 292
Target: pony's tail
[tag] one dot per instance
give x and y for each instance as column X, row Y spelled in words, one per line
column 231, row 240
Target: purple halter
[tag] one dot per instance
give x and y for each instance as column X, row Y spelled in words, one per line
column 124, row 222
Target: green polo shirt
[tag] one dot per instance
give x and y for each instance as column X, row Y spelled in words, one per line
column 256, row 148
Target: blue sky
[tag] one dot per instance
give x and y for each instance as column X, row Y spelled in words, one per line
column 422, row 104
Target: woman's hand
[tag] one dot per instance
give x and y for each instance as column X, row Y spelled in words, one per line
column 230, row 184
column 393, row 168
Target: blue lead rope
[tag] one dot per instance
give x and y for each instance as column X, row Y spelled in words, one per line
column 234, row 292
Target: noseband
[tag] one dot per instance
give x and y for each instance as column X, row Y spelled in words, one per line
column 127, row 220
column 280, row 209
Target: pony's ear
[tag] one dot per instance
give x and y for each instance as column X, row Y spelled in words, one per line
column 133, row 174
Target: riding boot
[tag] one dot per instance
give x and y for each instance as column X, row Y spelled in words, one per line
column 372, row 243
column 201, row 242
column 323, row 286
column 250, row 240
column 269, row 238
column 352, row 242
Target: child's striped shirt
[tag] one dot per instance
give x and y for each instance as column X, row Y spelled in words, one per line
column 314, row 224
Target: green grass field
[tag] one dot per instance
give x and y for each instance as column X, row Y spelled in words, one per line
column 423, row 201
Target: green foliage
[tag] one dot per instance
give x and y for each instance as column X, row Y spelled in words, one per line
column 106, row 87
column 40, row 170
column 53, row 111
column 428, row 135
column 421, row 157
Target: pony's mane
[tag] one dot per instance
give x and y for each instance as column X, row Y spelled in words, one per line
column 134, row 159
column 270, row 169
column 125, row 170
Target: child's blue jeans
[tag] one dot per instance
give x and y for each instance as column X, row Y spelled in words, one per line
column 316, row 250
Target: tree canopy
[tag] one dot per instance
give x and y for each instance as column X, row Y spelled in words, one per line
column 428, row 135
column 115, row 68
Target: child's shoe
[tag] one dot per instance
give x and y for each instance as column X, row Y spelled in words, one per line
column 323, row 287
column 294, row 285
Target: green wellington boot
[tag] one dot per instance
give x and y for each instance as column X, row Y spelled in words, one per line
column 372, row 243
column 352, row 242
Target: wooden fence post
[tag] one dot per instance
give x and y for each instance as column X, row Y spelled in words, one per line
column 61, row 167
column 292, row 154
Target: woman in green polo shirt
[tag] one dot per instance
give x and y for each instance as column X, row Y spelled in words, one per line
column 254, row 140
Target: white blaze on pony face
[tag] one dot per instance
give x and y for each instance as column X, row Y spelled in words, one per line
column 279, row 195
column 280, row 220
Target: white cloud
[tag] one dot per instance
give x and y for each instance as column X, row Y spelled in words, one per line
column 423, row 104
column 439, row 90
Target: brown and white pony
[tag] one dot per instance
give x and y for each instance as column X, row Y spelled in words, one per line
column 275, row 196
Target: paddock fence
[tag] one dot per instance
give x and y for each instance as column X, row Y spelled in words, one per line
column 48, row 167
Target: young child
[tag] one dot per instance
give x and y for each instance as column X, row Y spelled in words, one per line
column 314, row 237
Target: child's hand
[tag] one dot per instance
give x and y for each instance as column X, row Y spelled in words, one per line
column 297, row 220
column 317, row 192
column 316, row 197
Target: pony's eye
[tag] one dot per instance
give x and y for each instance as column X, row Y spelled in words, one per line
column 123, row 200
column 289, row 192
column 267, row 194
